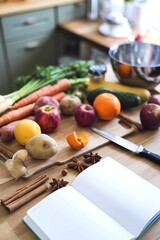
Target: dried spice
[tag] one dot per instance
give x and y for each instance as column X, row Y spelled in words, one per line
column 77, row 165
column 92, row 157
column 57, row 183
column 64, row 172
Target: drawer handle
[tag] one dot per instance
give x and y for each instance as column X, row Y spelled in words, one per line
column 32, row 45
column 30, row 21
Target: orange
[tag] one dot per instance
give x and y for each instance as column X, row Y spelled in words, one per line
column 77, row 142
column 107, row 106
column 26, row 129
column 124, row 70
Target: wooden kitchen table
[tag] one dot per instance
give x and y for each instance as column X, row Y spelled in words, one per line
column 12, row 224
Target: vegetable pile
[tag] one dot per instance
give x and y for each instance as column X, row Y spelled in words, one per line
column 76, row 71
column 71, row 83
column 42, row 97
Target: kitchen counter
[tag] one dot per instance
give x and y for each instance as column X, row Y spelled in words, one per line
column 87, row 31
column 15, row 7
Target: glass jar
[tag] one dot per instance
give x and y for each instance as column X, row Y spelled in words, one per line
column 97, row 73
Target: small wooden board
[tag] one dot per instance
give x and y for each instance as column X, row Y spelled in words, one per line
column 65, row 153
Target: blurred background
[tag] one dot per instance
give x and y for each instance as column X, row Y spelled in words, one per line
column 52, row 32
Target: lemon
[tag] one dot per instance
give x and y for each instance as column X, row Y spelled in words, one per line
column 25, row 130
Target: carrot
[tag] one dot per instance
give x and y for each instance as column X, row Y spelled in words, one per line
column 17, row 114
column 48, row 90
column 59, row 96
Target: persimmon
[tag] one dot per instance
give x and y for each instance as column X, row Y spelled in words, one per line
column 107, row 106
column 77, row 141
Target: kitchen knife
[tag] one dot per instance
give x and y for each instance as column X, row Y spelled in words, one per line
column 140, row 150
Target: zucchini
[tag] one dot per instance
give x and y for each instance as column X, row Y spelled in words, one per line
column 127, row 100
column 142, row 92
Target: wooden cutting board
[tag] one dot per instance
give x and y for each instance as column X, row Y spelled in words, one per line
column 65, row 153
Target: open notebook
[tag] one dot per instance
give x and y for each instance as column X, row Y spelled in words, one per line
column 106, row 201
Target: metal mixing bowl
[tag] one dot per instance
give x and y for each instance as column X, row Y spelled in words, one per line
column 136, row 63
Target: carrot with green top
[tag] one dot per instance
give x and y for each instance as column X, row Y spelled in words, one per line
column 48, row 90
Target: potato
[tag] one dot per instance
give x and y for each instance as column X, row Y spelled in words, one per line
column 41, row 146
column 68, row 104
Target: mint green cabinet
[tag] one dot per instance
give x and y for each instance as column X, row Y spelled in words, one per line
column 22, row 25
column 24, row 55
column 68, row 45
column 71, row 11
column 5, row 85
column 29, row 41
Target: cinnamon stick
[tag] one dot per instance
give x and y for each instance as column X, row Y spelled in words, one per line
column 24, row 190
column 33, row 182
column 26, row 198
column 129, row 120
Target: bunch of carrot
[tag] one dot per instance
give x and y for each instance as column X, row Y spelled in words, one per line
column 50, row 81
column 25, row 106
column 10, row 119
column 48, row 90
column 42, row 77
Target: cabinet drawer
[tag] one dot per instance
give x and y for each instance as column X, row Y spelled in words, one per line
column 70, row 12
column 27, row 23
column 24, row 55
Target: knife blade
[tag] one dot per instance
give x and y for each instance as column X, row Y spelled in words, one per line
column 137, row 149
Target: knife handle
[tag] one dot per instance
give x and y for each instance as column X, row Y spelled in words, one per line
column 150, row 155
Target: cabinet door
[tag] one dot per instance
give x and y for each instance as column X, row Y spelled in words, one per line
column 70, row 12
column 67, row 44
column 5, row 86
column 21, row 25
column 24, row 55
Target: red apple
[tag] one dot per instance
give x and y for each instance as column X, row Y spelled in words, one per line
column 155, row 98
column 46, row 100
column 48, row 118
column 150, row 115
column 85, row 115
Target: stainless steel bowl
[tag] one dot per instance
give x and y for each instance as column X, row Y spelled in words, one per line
column 136, row 63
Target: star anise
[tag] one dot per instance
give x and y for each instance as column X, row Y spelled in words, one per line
column 77, row 165
column 91, row 157
column 57, row 183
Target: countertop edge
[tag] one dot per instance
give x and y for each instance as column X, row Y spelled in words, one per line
column 11, row 8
